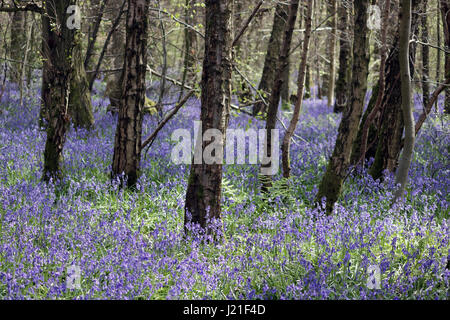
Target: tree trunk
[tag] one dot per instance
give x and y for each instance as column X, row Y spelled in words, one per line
column 274, row 101
column 114, row 80
column 96, row 11
column 438, row 51
column 345, row 46
column 127, row 148
column 371, row 148
column 273, row 53
column 337, row 168
column 408, row 149
column 445, row 10
column 17, row 44
column 301, row 86
column 204, row 192
column 190, row 46
column 367, row 124
column 332, row 8
column 58, row 69
column 425, row 58
column 80, row 105
column 308, row 82
column 392, row 125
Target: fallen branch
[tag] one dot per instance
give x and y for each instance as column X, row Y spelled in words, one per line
column 174, row 81
column 429, row 106
column 152, row 137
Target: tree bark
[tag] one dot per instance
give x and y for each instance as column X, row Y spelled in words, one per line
column 425, row 58
column 127, row 148
column 274, row 101
column 16, row 47
column 332, row 9
column 331, row 184
column 408, row 149
column 345, row 46
column 204, row 191
column 57, row 73
column 273, row 53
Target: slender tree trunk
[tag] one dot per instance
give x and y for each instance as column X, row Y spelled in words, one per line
column 127, row 148
column 301, row 86
column 331, row 185
column 273, row 53
column 342, row 92
column 34, row 54
column 438, row 52
column 317, row 51
column 274, row 101
column 25, row 59
column 114, row 80
column 17, row 44
column 425, row 58
column 332, row 50
column 58, row 69
column 445, row 10
column 408, row 149
column 190, row 46
column 308, row 82
column 96, row 11
column 438, row 36
column 285, row 87
column 204, row 191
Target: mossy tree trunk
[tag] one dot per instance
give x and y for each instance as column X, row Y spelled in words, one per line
column 337, row 169
column 204, row 191
column 127, row 146
column 80, row 105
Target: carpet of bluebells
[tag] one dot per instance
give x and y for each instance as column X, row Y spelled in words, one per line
column 132, row 245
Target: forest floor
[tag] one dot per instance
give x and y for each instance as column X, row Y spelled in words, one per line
column 131, row 244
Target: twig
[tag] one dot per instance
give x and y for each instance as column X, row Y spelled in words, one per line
column 247, row 23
